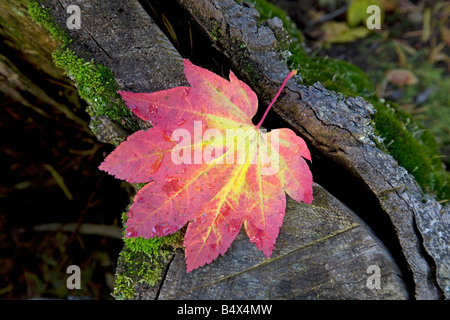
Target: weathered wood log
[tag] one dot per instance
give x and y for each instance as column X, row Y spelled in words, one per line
column 323, row 251
column 121, row 35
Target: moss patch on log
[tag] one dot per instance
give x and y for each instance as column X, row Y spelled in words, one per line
column 42, row 16
column 95, row 82
column 143, row 260
column 97, row 86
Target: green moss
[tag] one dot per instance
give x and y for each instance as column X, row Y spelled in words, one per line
column 124, row 288
column 96, row 85
column 95, row 82
column 143, row 260
column 410, row 144
column 336, row 75
column 42, row 16
column 413, row 147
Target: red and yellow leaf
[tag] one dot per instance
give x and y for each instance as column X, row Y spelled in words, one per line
column 209, row 166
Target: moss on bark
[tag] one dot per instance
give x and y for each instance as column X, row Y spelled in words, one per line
column 407, row 141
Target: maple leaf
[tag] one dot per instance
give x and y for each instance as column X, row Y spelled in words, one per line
column 208, row 165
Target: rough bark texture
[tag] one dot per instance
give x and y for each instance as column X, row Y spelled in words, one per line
column 121, row 36
column 323, row 250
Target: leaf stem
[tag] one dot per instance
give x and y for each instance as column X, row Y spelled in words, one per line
column 292, row 73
